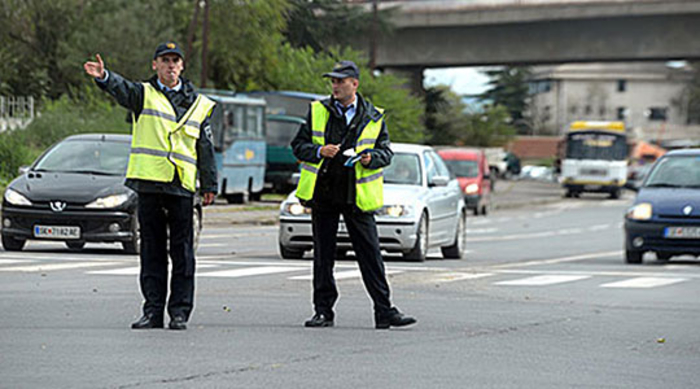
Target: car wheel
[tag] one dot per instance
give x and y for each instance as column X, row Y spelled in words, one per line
column 75, row 245
column 134, row 245
column 485, row 210
column 615, row 194
column 456, row 250
column 12, row 244
column 419, row 251
column 476, row 210
column 633, row 256
column 237, row 198
column 287, row 253
column 196, row 227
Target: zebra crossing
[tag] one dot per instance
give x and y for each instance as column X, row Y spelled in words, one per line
column 216, row 268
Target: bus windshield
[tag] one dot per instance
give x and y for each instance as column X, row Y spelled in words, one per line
column 598, row 145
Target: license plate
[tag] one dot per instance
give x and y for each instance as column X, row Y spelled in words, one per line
column 57, row 232
column 592, row 187
column 682, row 232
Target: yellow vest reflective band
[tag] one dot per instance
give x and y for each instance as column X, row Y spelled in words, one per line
column 161, row 145
column 369, row 183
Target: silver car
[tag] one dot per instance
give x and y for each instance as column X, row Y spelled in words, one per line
column 424, row 208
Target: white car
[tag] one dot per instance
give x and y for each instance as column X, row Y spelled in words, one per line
column 424, row 208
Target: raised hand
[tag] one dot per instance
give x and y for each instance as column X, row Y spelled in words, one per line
column 95, row 69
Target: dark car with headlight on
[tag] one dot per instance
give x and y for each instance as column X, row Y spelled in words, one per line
column 74, row 192
column 423, row 208
column 665, row 216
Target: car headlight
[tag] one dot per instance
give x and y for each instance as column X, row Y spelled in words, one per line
column 295, row 209
column 15, row 198
column 642, row 211
column 112, row 201
column 395, row 210
column 471, row 189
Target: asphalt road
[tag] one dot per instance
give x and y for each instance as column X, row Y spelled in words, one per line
column 543, row 300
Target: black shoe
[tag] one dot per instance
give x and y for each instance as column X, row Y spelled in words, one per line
column 393, row 319
column 148, row 321
column 319, row 320
column 178, row 323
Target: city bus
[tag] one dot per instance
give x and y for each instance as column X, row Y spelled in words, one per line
column 595, row 158
column 286, row 112
column 238, row 131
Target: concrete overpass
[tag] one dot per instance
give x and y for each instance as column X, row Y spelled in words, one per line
column 529, row 32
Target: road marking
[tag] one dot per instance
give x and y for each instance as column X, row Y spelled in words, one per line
column 481, row 230
column 134, row 270
column 342, row 275
column 55, row 266
column 452, row 277
column 542, row 280
column 643, row 282
column 573, row 258
column 249, row 271
column 10, row 261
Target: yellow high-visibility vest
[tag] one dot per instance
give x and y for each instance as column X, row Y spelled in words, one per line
column 162, row 145
column 369, row 183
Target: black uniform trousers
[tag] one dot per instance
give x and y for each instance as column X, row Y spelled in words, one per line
column 365, row 242
column 158, row 213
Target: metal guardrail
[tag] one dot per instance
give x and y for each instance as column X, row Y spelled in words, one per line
column 16, row 112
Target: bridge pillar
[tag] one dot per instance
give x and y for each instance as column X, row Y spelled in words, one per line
column 413, row 75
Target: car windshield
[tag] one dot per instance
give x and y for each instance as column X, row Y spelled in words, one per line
column 468, row 169
column 404, row 170
column 86, row 156
column 678, row 171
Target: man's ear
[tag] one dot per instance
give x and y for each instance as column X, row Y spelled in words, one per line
column 153, row 65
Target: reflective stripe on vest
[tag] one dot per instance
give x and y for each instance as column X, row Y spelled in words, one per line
column 161, row 145
column 369, row 183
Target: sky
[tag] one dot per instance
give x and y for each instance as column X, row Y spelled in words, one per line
column 463, row 81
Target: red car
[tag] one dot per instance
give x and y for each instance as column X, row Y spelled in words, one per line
column 472, row 171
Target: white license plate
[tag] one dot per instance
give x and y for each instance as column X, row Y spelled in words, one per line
column 57, row 232
column 682, row 232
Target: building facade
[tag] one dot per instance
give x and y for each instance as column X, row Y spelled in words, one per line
column 651, row 98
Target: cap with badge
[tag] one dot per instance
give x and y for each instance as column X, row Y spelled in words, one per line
column 168, row 48
column 344, row 69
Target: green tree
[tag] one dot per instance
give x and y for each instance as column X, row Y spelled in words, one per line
column 488, row 128
column 445, row 116
column 508, row 87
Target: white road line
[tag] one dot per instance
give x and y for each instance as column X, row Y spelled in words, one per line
column 452, row 277
column 481, row 230
column 604, row 273
column 135, row 270
column 249, row 271
column 342, row 275
column 56, row 266
column 643, row 282
column 542, row 280
column 11, row 261
column 573, row 258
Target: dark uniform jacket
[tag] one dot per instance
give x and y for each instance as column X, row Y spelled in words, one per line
column 335, row 184
column 130, row 95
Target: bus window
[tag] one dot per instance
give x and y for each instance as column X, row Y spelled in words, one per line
column 254, row 122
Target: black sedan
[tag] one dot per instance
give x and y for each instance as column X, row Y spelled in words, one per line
column 74, row 192
column 665, row 217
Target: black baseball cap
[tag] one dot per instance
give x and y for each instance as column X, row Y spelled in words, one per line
column 168, row 48
column 344, row 69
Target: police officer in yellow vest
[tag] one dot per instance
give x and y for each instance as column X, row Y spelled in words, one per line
column 171, row 147
column 332, row 185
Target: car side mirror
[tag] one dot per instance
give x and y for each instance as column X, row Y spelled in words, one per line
column 23, row 169
column 295, row 178
column 439, row 181
column 631, row 187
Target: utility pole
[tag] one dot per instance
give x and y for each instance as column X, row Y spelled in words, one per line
column 373, row 37
column 190, row 31
column 205, row 44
